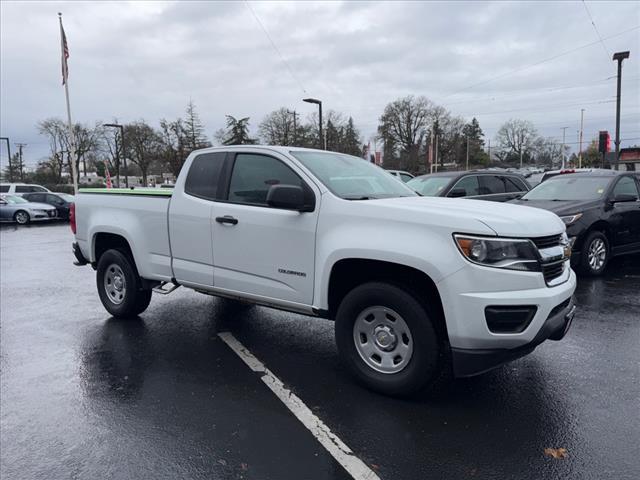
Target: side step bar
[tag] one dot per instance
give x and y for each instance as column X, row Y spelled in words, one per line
column 165, row 291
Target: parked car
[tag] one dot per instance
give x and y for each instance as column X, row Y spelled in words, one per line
column 20, row 188
column 62, row 201
column 601, row 209
column 401, row 174
column 410, row 281
column 480, row 185
column 14, row 208
column 553, row 173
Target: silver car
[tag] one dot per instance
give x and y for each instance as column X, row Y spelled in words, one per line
column 16, row 209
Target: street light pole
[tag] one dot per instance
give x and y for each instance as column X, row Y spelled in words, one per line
column 295, row 128
column 619, row 57
column 319, row 103
column 581, row 130
column 124, row 153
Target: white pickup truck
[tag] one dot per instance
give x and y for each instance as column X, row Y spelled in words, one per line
column 415, row 284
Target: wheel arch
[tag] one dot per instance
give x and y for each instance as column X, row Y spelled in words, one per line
column 348, row 273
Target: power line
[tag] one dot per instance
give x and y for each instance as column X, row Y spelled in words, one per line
column 525, row 67
column 596, row 29
column 275, row 47
column 528, row 109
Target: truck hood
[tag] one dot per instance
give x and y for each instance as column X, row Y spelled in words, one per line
column 506, row 220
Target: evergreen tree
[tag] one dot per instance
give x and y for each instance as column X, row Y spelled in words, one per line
column 193, row 129
column 351, row 139
column 237, row 132
column 473, row 133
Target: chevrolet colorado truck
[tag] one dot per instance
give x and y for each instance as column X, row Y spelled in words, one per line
column 416, row 285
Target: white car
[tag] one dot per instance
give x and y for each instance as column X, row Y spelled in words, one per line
column 401, row 174
column 20, row 188
column 410, row 281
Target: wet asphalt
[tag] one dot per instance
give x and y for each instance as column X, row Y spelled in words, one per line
column 83, row 395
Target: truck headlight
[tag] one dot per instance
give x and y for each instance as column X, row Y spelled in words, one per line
column 511, row 254
column 569, row 219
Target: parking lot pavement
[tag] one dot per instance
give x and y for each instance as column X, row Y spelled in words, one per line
column 86, row 396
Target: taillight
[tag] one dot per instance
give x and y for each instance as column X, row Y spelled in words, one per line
column 72, row 217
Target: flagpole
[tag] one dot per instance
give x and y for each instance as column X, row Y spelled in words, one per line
column 65, row 81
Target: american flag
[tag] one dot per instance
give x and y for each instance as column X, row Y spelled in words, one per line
column 65, row 54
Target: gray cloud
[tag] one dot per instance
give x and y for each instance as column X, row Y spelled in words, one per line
column 145, row 60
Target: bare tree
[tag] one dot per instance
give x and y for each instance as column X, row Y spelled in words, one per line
column 174, row 144
column 143, row 146
column 516, row 137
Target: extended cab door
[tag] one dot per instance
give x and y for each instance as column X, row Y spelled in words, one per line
column 190, row 226
column 259, row 250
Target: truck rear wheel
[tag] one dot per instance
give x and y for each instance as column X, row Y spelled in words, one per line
column 386, row 339
column 119, row 285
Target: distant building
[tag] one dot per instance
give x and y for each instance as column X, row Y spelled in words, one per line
column 629, row 159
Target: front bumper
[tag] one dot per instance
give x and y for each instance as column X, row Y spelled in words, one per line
column 468, row 362
column 469, row 293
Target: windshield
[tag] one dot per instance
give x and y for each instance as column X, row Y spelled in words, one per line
column 429, row 186
column 13, row 199
column 352, row 178
column 569, row 187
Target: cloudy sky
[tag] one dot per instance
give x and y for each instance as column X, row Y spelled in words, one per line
column 540, row 61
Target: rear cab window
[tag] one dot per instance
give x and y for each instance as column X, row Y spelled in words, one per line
column 204, row 175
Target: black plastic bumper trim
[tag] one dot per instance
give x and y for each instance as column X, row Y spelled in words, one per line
column 470, row 362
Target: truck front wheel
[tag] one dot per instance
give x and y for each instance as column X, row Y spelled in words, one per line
column 119, row 285
column 386, row 339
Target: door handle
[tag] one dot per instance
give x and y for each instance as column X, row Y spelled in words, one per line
column 227, row 219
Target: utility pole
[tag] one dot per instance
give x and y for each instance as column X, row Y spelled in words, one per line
column 619, row 57
column 489, row 151
column 580, row 141
column 295, row 128
column 564, row 132
column 21, row 164
column 467, row 153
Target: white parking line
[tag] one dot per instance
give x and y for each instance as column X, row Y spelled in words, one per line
column 336, row 447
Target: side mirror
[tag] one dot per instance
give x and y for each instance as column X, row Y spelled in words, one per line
column 3, row 202
column 624, row 197
column 457, row 193
column 287, row 197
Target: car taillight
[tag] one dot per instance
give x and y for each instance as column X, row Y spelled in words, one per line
column 72, row 217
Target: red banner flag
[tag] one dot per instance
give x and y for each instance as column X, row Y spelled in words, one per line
column 107, row 175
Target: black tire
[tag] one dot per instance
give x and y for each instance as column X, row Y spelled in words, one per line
column 22, row 217
column 591, row 242
column 129, row 301
column 423, row 364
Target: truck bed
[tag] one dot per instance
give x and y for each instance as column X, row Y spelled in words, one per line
column 139, row 215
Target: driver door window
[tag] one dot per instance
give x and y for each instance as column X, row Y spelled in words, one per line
column 626, row 186
column 253, row 175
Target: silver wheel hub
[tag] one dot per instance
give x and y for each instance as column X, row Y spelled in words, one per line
column 383, row 339
column 597, row 254
column 115, row 284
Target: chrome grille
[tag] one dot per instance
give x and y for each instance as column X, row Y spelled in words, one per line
column 553, row 261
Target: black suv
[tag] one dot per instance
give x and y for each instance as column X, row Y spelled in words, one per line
column 601, row 210
column 497, row 186
column 62, row 201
